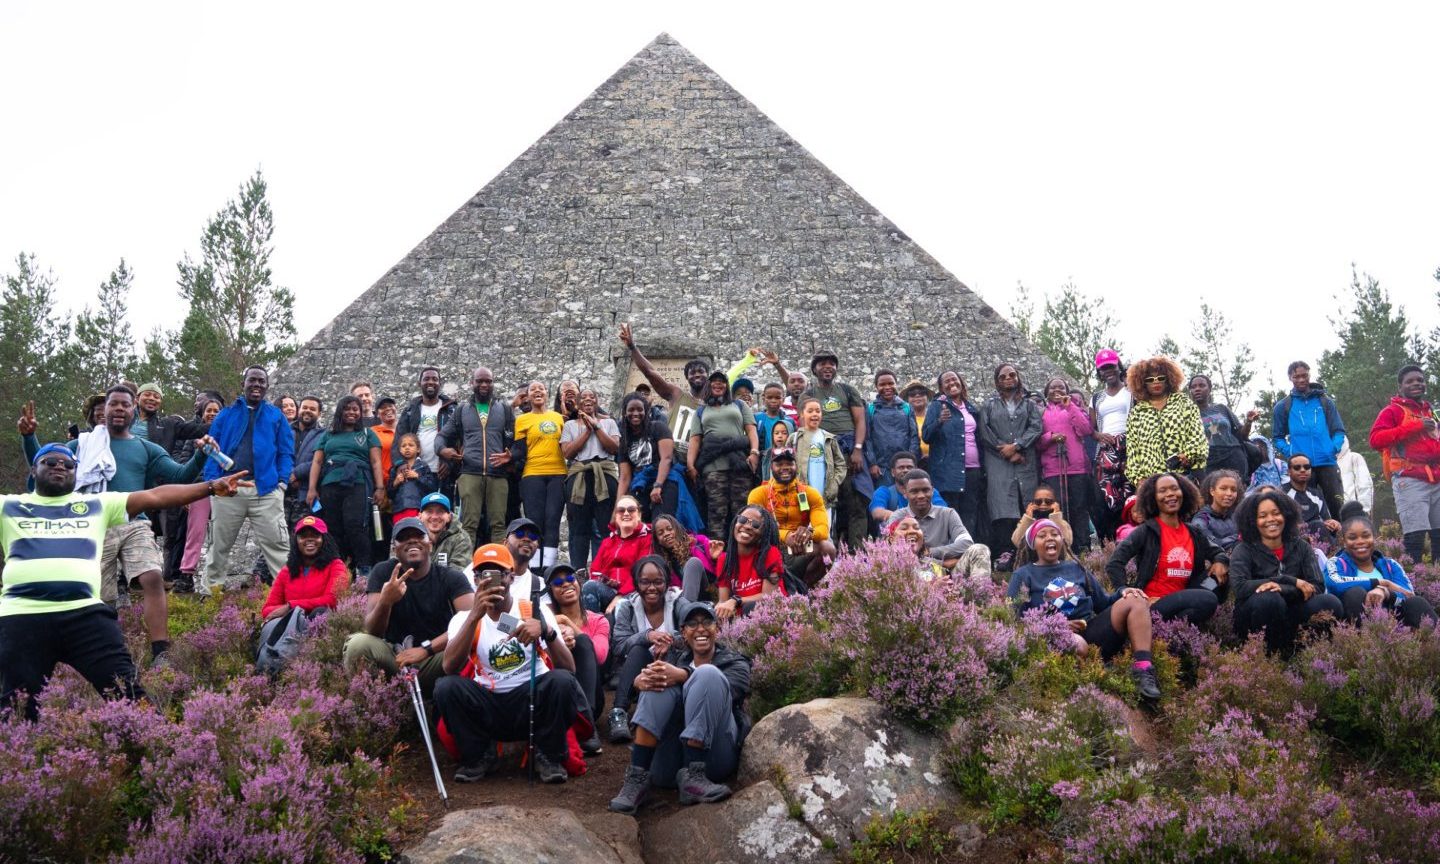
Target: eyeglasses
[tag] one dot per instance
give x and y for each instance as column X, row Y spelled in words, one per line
column 746, row 520
column 652, row 583
column 627, row 509
column 1156, row 379
column 558, row 581
column 67, row 464
column 707, row 623
column 527, row 534
column 1299, row 467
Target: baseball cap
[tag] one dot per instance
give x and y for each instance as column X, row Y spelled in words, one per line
column 383, row 401
column 314, row 523
column 53, row 448
column 743, row 382
column 436, row 498
column 493, row 553
column 718, row 375
column 1106, row 356
column 779, row 453
column 406, row 524
column 522, row 522
column 556, row 569
column 697, row 607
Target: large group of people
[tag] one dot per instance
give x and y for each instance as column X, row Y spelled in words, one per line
column 691, row 504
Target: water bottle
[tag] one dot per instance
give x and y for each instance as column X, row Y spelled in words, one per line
column 375, row 521
column 225, row 462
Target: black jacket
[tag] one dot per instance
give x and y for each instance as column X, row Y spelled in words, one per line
column 171, row 431
column 736, row 669
column 1252, row 565
column 1143, row 546
column 478, row 441
column 409, row 421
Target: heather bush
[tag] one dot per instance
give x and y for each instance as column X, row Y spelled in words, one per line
column 1377, row 689
column 1246, row 678
column 792, row 660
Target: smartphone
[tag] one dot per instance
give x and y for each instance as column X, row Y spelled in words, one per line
column 1210, row 584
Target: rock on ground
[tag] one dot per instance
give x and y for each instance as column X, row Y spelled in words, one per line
column 845, row 761
column 543, row 835
column 752, row 827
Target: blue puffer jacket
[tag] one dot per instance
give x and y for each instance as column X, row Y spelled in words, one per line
column 1308, row 424
column 273, row 443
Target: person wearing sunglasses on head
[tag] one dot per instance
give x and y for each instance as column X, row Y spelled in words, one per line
column 690, row 720
column 1163, row 431
column 750, row 565
column 610, row 571
column 587, row 635
column 51, row 610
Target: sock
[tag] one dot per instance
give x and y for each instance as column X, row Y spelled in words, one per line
column 1143, row 657
column 158, row 647
column 642, row 756
column 697, row 754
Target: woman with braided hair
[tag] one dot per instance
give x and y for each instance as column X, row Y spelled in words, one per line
column 751, row 565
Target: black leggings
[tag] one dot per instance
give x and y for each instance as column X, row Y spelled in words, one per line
column 1280, row 620
column 966, row 504
column 347, row 514
column 587, row 672
column 1073, row 493
column 587, row 519
column 1411, row 612
column 1195, row 605
column 544, row 500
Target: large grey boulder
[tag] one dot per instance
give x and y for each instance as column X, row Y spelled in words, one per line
column 752, row 827
column 845, row 761
column 505, row 835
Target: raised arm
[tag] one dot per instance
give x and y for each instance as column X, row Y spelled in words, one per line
column 663, row 388
column 165, row 497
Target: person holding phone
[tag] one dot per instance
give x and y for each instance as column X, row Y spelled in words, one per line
column 497, row 636
column 1044, row 504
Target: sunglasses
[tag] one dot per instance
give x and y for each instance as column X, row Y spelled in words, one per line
column 527, row 534
column 1156, row 379
column 746, row 520
column 1044, row 502
column 58, row 462
column 627, row 509
column 707, row 623
column 559, row 581
column 1299, row 467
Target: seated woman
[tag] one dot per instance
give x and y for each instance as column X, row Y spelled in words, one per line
column 1363, row 578
column 751, row 565
column 645, row 625
column 311, row 581
column 687, row 556
column 1057, row 583
column 610, row 570
column 587, row 635
column 1178, row 568
column 690, row 720
column 1216, row 520
column 1277, row 583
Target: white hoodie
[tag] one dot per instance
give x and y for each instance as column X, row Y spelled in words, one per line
column 1355, row 474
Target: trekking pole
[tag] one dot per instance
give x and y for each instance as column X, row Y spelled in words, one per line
column 412, row 681
column 530, row 751
column 1064, row 455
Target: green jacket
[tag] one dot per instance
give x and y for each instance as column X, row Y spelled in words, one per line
column 453, row 548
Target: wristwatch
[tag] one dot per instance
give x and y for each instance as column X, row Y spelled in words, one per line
column 429, row 649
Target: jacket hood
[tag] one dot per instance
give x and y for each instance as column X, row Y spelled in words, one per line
column 1264, row 444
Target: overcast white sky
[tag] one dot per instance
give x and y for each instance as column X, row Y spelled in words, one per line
column 1153, row 152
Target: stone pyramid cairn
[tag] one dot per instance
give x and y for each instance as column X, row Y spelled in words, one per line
column 669, row 200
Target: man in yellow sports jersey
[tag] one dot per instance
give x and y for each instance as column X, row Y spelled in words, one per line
column 50, row 607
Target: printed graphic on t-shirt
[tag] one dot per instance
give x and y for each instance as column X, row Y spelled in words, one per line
column 816, row 451
column 1062, row 595
column 507, row 656
column 548, row 427
column 831, row 404
column 1179, row 562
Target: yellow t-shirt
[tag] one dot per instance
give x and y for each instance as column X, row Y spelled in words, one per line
column 541, row 434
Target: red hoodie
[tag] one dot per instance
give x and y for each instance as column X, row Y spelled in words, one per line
column 617, row 555
column 1400, row 427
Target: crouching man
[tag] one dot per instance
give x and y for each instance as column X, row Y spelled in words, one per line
column 690, row 719
column 492, row 703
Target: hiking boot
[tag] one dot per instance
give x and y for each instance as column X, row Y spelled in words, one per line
column 548, row 771
column 474, row 772
column 696, row 788
column 591, row 746
column 635, row 791
column 619, row 732
column 1145, row 682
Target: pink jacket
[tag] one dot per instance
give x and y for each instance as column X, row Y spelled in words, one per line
column 1073, row 422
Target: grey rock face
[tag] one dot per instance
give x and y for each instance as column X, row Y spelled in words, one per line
column 753, row 827
column 505, row 835
column 844, row 762
column 668, row 200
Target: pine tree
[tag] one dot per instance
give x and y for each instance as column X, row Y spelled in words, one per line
column 1073, row 328
column 34, row 362
column 104, row 346
column 1215, row 354
column 237, row 315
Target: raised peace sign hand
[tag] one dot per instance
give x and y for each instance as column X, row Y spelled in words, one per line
column 394, row 589
column 26, row 425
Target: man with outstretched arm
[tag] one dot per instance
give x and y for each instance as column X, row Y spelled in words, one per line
column 50, row 609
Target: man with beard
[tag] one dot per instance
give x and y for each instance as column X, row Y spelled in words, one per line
column 479, row 434
column 1406, row 434
column 696, row 373
column 799, row 512
column 424, row 417
column 51, row 610
column 256, row 435
column 724, row 454
column 450, row 546
column 844, row 417
column 409, row 601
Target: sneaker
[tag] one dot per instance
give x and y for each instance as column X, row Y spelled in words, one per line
column 548, row 771
column 619, row 732
column 474, row 772
column 184, row 583
column 1145, row 682
column 696, row 788
column 634, row 793
column 591, row 746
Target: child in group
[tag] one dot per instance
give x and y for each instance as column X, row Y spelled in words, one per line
column 1130, row 518
column 1057, row 583
column 821, row 464
column 410, row 479
column 779, row 439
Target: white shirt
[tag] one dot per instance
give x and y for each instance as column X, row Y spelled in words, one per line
column 501, row 663
column 1113, row 411
column 429, row 426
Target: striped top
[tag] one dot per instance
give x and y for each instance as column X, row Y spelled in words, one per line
column 52, row 549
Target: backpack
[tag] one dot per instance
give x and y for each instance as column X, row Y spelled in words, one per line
column 280, row 640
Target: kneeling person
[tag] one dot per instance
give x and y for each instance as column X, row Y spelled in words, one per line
column 690, row 719
column 492, row 704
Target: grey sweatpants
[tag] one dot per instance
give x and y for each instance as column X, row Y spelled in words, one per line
column 698, row 710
